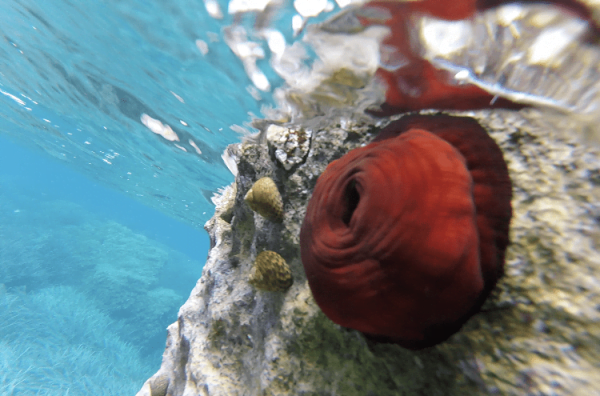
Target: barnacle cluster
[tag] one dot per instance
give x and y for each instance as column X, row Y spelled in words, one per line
column 289, row 146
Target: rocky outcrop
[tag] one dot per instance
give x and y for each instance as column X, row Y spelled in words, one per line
column 538, row 334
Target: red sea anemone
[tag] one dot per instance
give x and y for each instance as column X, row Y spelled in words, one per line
column 405, row 238
column 418, row 84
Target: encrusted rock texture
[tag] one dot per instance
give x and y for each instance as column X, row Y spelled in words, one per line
column 538, row 334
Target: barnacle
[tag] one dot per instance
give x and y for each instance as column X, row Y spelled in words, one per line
column 270, row 272
column 159, row 385
column 264, row 198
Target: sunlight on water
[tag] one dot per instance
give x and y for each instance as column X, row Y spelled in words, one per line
column 77, row 80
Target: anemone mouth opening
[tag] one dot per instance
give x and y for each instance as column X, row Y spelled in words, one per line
column 351, row 199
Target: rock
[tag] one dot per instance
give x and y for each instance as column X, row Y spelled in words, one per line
column 289, row 146
column 538, row 334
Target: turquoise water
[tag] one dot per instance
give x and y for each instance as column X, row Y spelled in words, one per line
column 101, row 219
column 77, row 77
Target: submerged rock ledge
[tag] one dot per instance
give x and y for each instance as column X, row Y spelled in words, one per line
column 538, row 334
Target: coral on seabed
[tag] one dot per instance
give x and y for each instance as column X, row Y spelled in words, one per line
column 55, row 341
column 125, row 278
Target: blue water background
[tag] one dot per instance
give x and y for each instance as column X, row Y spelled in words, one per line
column 87, row 274
column 76, row 77
column 101, row 220
column 44, row 179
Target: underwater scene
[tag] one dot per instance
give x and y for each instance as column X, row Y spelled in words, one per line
column 299, row 197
